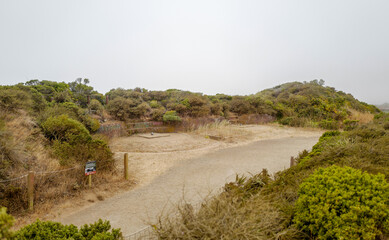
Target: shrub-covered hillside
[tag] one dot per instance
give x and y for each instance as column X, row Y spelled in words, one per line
column 47, row 126
column 296, row 104
column 312, row 104
column 338, row 190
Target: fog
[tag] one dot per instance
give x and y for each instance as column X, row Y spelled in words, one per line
column 219, row 46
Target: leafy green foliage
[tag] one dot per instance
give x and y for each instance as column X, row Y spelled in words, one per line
column 308, row 104
column 171, row 117
column 65, row 129
column 343, row 203
column 96, row 106
column 6, row 222
column 80, row 91
column 53, row 230
column 120, row 108
column 72, row 142
column 350, row 124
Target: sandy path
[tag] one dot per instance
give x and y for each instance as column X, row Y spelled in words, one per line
column 194, row 174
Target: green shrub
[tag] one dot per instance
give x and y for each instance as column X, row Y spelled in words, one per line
column 6, row 222
column 154, row 104
column 12, row 99
column 329, row 124
column 72, row 142
column 157, row 114
column 96, row 105
column 343, row 203
column 65, row 129
column 171, row 117
column 119, row 108
column 293, row 121
column 72, row 111
column 55, row 230
column 350, row 124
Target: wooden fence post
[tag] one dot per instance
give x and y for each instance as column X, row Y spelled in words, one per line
column 30, row 190
column 292, row 161
column 126, row 166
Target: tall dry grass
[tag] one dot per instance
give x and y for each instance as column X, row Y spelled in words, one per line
column 361, row 117
column 30, row 152
column 240, row 212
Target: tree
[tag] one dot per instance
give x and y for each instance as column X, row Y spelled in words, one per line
column 81, row 91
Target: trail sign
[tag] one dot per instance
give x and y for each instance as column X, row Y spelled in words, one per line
column 90, row 168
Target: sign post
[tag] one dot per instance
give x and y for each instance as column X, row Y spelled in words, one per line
column 90, row 169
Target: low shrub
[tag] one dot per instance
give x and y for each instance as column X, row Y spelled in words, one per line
column 350, row 124
column 96, row 105
column 119, row 108
column 13, row 98
column 343, row 203
column 171, row 117
column 293, row 121
column 65, row 129
column 54, row 230
column 329, row 124
column 73, row 143
column 6, row 222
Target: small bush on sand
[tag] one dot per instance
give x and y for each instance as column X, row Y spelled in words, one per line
column 343, row 203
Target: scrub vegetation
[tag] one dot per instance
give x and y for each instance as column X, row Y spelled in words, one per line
column 338, row 190
column 48, row 126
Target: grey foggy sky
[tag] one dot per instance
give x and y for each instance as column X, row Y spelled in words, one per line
column 209, row 46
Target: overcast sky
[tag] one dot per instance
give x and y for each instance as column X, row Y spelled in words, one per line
column 210, row 46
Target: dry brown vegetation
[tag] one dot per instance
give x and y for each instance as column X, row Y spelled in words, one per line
column 361, row 117
column 25, row 149
column 264, row 208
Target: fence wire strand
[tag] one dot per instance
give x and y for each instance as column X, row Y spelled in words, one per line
column 13, row 179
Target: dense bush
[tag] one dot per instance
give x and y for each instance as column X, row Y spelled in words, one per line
column 13, row 98
column 350, row 124
column 96, row 106
column 99, row 230
column 72, row 111
column 119, row 108
column 6, row 222
column 65, row 129
column 364, row 148
column 329, row 124
column 171, row 117
column 72, row 142
column 343, row 203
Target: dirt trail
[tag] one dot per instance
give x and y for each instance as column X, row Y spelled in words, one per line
column 178, row 165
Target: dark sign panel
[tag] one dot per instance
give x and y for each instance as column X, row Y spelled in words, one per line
column 90, row 168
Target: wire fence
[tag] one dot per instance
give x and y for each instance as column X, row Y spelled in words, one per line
column 46, row 186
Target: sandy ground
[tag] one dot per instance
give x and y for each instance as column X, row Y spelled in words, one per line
column 168, row 167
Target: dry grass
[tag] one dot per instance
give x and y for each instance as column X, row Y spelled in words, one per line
column 223, row 130
column 29, row 153
column 362, row 117
column 224, row 217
